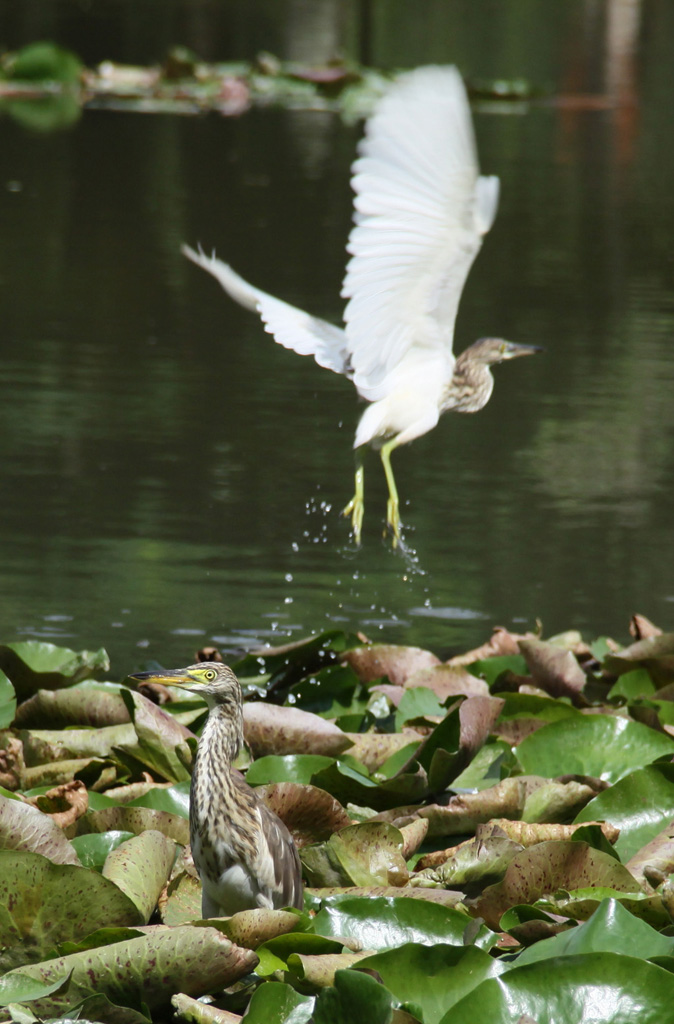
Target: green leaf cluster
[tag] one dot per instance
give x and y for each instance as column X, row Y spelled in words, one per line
column 490, row 837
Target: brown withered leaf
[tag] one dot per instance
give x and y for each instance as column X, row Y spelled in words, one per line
column 448, row 681
column 554, row 670
column 374, row 748
column 276, row 730
column 641, row 627
column 500, row 643
column 477, row 716
column 86, row 705
column 196, row 1012
column 543, row 869
column 12, row 767
column 310, row 814
column 64, row 804
column 655, row 653
column 180, row 900
column 465, row 811
column 250, row 928
column 470, row 865
column 394, row 661
column 655, row 861
column 23, row 827
column 413, row 836
column 319, row 970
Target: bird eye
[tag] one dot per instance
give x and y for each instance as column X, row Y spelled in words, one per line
column 209, row 674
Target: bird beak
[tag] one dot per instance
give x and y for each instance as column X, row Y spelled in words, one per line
column 513, row 350
column 168, row 676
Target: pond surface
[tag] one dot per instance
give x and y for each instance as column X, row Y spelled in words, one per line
column 170, row 477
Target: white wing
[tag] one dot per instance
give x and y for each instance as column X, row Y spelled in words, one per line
column 291, row 327
column 420, row 212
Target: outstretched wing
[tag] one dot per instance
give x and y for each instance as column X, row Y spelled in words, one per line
column 421, row 210
column 291, row 327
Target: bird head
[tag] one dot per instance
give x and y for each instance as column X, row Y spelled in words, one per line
column 490, row 351
column 213, row 681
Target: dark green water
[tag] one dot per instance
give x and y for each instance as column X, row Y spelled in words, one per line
column 170, row 477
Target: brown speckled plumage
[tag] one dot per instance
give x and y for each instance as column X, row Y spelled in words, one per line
column 244, row 854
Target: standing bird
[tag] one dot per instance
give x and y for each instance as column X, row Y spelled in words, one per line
column 421, row 209
column 244, row 854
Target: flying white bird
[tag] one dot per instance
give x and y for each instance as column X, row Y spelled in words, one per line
column 421, row 209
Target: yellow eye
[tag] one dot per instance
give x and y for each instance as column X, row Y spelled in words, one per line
column 209, row 674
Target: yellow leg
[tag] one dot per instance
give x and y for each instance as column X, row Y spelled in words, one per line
column 392, row 505
column 356, row 506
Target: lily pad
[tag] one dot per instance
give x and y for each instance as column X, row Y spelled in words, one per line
column 598, row 745
column 44, row 904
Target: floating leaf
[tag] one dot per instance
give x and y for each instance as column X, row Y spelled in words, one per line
column 160, row 738
column 286, row 768
column 44, row 904
column 91, row 704
column 146, row 970
column 365, row 854
column 598, row 745
column 140, row 868
column 33, row 665
column 309, row 813
column 274, row 730
column 554, row 670
column 180, row 902
column 137, row 820
column 611, row 929
column 173, row 799
column 631, row 990
column 23, row 827
column 385, row 922
column 641, row 804
column 93, row 849
column 394, row 662
column 279, row 1004
column 547, row 867
column 432, row 978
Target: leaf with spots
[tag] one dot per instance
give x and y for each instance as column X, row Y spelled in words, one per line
column 140, row 867
column 42, row 904
column 144, row 971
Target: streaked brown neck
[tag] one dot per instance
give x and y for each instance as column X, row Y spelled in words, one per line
column 470, row 387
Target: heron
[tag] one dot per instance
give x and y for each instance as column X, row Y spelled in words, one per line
column 421, row 210
column 245, row 855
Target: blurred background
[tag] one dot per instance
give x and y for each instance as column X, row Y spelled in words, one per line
column 169, row 477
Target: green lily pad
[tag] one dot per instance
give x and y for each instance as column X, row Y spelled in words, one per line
column 385, row 922
column 611, row 929
column 174, row 799
column 287, row 768
column 279, row 1004
column 640, row 805
column 32, row 665
column 598, row 745
column 432, row 978
column 619, row 989
column 94, row 848
column 43, row 904
column 355, row 998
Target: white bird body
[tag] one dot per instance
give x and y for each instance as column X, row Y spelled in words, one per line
column 421, row 210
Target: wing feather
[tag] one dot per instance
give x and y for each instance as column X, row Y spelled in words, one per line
column 421, row 209
column 291, row 327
